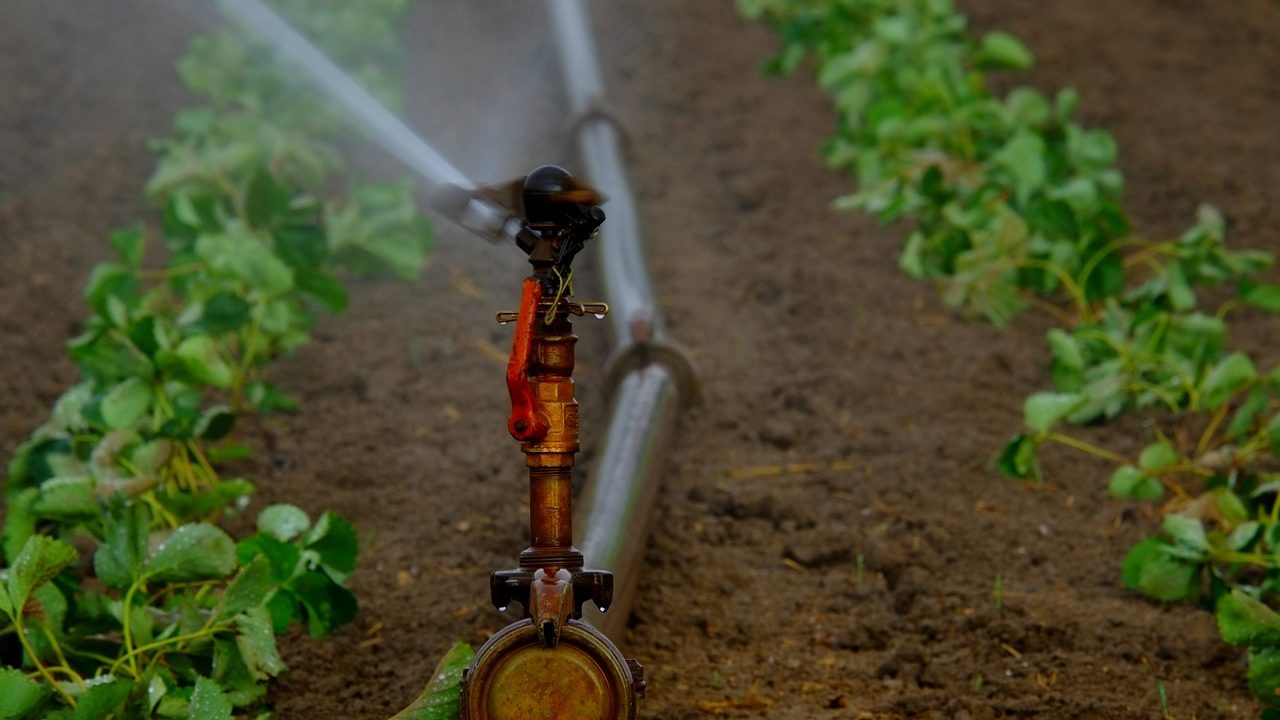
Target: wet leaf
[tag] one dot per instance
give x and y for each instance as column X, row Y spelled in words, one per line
column 248, row 590
column 102, row 700
column 283, row 522
column 19, row 697
column 257, row 643
column 118, row 560
column 439, row 701
column 208, row 702
column 192, row 552
column 40, row 561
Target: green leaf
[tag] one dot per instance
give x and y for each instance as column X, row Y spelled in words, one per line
column 248, row 590
column 246, row 259
column 1230, row 375
column 439, row 701
column 192, row 552
column 1150, row 568
column 233, row 676
column 1043, row 410
column 1023, row 157
column 284, row 557
column 1188, row 534
column 18, row 695
column 1129, row 482
column 267, row 399
column 1158, row 456
column 1018, row 459
column 109, row 280
column 205, row 361
column 257, row 643
column 283, row 522
column 156, row 690
column 1261, row 295
column 265, row 198
column 328, row 604
column 40, row 561
column 336, row 542
column 126, row 403
column 67, row 498
column 1178, row 288
column 215, row 423
column 1243, row 535
column 1002, row 51
column 1107, row 278
column 118, row 560
column 19, row 522
column 1264, row 676
column 222, row 312
column 208, row 702
column 325, row 289
column 102, row 700
column 128, row 243
column 1231, row 506
column 1244, row 419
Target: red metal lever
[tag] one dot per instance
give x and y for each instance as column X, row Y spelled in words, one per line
column 525, row 423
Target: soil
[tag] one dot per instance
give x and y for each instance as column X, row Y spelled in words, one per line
column 902, row 579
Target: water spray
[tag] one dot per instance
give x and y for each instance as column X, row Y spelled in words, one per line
column 447, row 190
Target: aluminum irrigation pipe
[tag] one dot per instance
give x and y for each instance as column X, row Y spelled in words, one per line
column 651, row 379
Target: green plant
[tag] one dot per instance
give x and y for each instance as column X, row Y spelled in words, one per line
column 170, row 622
column 1017, row 205
column 122, row 598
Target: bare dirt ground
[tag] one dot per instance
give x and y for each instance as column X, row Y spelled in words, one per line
column 813, row 348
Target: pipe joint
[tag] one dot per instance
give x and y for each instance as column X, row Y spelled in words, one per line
column 643, row 351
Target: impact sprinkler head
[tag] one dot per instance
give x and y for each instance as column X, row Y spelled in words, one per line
column 553, row 197
column 550, row 664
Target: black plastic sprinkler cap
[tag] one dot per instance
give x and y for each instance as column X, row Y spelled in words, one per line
column 551, row 196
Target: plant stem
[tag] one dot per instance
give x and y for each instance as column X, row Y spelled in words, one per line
column 128, row 635
column 1086, row 447
column 62, row 658
column 1211, row 428
column 35, row 659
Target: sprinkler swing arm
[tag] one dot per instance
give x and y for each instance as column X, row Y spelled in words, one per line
column 550, row 661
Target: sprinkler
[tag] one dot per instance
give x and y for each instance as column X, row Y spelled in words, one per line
column 550, row 664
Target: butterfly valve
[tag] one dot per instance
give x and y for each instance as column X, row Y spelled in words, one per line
column 550, row 664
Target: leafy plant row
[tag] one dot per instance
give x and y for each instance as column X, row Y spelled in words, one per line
column 122, row 598
column 1016, row 205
